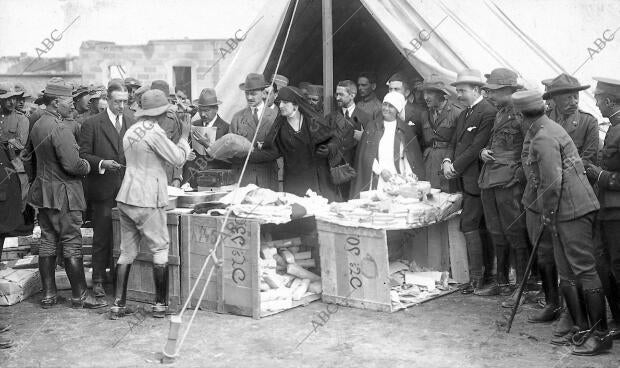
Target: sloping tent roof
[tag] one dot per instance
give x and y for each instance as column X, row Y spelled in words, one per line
column 537, row 38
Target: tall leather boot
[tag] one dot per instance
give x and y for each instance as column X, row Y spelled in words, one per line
column 551, row 310
column 521, row 257
column 596, row 340
column 160, row 275
column 119, row 307
column 80, row 295
column 474, row 254
column 47, row 269
column 610, row 287
column 574, row 303
column 496, row 287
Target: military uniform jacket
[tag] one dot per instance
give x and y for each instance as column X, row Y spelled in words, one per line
column 557, row 186
column 473, row 129
column 371, row 106
column 506, row 142
column 608, row 183
column 59, row 166
column 583, row 129
column 14, row 125
column 440, row 130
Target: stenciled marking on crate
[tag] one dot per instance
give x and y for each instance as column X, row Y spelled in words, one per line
column 362, row 266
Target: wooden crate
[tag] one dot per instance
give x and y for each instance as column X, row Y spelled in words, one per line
column 140, row 286
column 234, row 288
column 355, row 261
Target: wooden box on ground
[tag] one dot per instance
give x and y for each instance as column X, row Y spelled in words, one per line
column 235, row 287
column 141, row 286
column 355, row 260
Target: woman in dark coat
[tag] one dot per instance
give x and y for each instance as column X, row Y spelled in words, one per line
column 377, row 158
column 307, row 144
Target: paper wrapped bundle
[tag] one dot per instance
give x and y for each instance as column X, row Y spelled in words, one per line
column 228, row 146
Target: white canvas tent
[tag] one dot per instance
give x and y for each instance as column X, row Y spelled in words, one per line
column 537, row 38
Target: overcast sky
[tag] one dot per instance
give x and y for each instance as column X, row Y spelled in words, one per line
column 25, row 23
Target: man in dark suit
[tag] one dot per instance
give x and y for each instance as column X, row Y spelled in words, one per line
column 207, row 109
column 559, row 200
column 473, row 129
column 101, row 144
column 57, row 193
column 350, row 122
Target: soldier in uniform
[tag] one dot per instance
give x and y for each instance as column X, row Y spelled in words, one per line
column 132, row 85
column 502, row 182
column 473, row 128
column 436, row 128
column 563, row 93
column 57, row 193
column 559, row 201
column 606, row 179
column 21, row 99
column 14, row 133
column 581, row 126
column 368, row 101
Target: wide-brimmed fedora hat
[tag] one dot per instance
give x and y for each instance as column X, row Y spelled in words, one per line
column 8, row 90
column 208, row 97
column 58, row 90
column 81, row 91
column 434, row 83
column 469, row 76
column 563, row 83
column 253, row 82
column 607, row 86
column 500, row 78
column 21, row 88
column 154, row 103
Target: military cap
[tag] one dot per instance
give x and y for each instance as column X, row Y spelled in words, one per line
column 132, row 82
column 58, row 90
column 8, row 90
column 279, row 80
column 80, row 91
column 19, row 87
column 607, row 86
column 563, row 83
column 500, row 78
column 527, row 100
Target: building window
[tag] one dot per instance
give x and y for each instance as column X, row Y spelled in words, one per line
column 183, row 80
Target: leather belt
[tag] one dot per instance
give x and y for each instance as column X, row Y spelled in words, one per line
column 439, row 144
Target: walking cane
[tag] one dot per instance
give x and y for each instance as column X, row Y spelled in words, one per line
column 526, row 276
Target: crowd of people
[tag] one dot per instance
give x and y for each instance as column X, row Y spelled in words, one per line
column 530, row 167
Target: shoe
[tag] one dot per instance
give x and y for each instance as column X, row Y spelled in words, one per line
column 80, row 295
column 551, row 309
column 592, row 343
column 98, row 290
column 119, row 309
column 506, row 289
column 47, row 270
column 614, row 330
column 489, row 290
column 4, row 327
column 512, row 299
column 160, row 275
column 474, row 284
column 567, row 339
column 564, row 325
column 5, row 343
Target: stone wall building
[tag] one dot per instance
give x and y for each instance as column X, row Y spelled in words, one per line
column 187, row 65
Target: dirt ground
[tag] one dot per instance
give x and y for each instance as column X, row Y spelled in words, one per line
column 453, row 331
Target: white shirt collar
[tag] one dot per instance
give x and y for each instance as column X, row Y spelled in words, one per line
column 210, row 124
column 112, row 116
column 476, row 102
column 259, row 109
column 351, row 109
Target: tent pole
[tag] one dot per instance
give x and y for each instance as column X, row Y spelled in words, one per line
column 328, row 57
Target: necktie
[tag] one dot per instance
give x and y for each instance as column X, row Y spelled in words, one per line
column 435, row 114
column 346, row 114
column 468, row 112
column 255, row 114
column 118, row 124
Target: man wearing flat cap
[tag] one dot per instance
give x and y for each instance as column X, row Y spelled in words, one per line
column 501, row 184
column 436, row 128
column 101, row 144
column 245, row 123
column 57, row 193
column 606, row 178
column 581, row 126
column 208, row 105
column 473, row 129
column 560, row 202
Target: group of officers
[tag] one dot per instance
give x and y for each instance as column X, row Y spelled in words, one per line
column 529, row 166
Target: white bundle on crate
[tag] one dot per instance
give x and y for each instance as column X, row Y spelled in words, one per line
column 284, row 274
